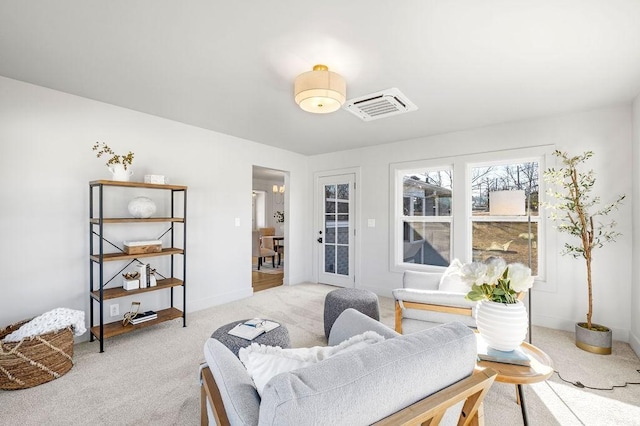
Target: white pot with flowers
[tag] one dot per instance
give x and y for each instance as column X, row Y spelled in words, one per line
column 118, row 165
column 501, row 317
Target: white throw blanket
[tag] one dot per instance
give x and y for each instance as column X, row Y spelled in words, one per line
column 54, row 320
column 263, row 362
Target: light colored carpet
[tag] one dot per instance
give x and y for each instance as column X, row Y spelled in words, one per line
column 149, row 377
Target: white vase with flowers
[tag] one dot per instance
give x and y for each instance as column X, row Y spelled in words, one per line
column 118, row 165
column 501, row 317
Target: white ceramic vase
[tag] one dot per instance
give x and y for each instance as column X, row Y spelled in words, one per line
column 142, row 207
column 120, row 173
column 503, row 326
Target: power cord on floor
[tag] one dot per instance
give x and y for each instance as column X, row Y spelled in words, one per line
column 582, row 386
column 579, row 384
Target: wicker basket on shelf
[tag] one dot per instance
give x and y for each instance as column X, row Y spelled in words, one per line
column 34, row 360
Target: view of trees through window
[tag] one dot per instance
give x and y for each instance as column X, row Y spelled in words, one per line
column 512, row 236
column 484, row 180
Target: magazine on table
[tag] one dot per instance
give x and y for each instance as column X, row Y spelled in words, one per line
column 253, row 328
column 516, row 356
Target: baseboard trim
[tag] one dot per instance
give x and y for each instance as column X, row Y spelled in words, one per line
column 620, row 334
column 218, row 299
column 634, row 342
column 380, row 291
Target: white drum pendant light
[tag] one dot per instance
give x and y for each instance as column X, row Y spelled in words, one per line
column 320, row 91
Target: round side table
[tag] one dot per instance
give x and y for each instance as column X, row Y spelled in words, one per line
column 541, row 369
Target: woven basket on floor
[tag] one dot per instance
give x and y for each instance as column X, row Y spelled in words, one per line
column 36, row 360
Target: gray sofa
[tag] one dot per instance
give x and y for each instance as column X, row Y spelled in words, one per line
column 357, row 388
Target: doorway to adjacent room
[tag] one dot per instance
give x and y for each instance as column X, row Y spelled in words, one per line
column 269, row 213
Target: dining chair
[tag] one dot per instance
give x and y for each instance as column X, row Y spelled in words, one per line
column 268, row 242
column 261, row 252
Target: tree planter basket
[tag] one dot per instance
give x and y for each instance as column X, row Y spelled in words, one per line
column 35, row 360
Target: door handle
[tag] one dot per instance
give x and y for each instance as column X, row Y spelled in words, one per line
column 320, row 239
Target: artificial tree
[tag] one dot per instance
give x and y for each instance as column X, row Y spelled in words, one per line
column 575, row 211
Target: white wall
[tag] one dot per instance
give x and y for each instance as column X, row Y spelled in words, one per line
column 46, row 163
column 274, row 202
column 634, row 338
column 605, row 131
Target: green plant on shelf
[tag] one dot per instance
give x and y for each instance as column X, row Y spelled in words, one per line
column 104, row 149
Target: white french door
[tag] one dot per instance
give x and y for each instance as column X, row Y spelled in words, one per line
column 336, row 233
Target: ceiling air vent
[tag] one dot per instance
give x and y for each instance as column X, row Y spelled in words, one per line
column 380, row 105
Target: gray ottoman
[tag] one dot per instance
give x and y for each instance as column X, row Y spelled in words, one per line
column 276, row 337
column 337, row 301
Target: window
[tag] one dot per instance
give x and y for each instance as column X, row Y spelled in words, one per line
column 475, row 207
column 426, row 217
column 504, row 218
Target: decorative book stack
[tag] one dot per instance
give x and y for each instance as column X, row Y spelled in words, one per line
column 143, row 317
column 142, row 247
column 516, row 356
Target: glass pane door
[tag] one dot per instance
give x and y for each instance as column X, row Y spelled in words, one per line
column 336, row 234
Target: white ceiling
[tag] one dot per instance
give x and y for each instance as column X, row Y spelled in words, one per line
column 229, row 65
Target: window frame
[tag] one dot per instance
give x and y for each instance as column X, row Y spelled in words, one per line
column 397, row 203
column 508, row 218
column 411, row 219
column 461, row 207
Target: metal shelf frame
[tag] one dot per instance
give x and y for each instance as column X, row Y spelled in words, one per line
column 97, row 257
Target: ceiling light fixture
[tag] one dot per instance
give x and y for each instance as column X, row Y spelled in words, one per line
column 320, row 91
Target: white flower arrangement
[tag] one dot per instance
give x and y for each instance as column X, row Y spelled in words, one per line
column 496, row 281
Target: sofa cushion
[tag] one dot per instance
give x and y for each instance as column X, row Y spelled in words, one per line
column 239, row 396
column 421, row 280
column 437, row 297
column 264, row 362
column 367, row 385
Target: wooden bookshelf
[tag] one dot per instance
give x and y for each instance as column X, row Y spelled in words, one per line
column 115, row 292
column 96, row 221
column 97, row 256
column 137, row 185
column 116, row 328
column 108, row 257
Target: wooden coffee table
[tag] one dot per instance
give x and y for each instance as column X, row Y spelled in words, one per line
column 541, row 369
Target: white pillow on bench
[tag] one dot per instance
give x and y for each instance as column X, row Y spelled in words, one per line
column 451, row 279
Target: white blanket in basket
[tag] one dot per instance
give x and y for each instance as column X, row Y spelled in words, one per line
column 51, row 321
